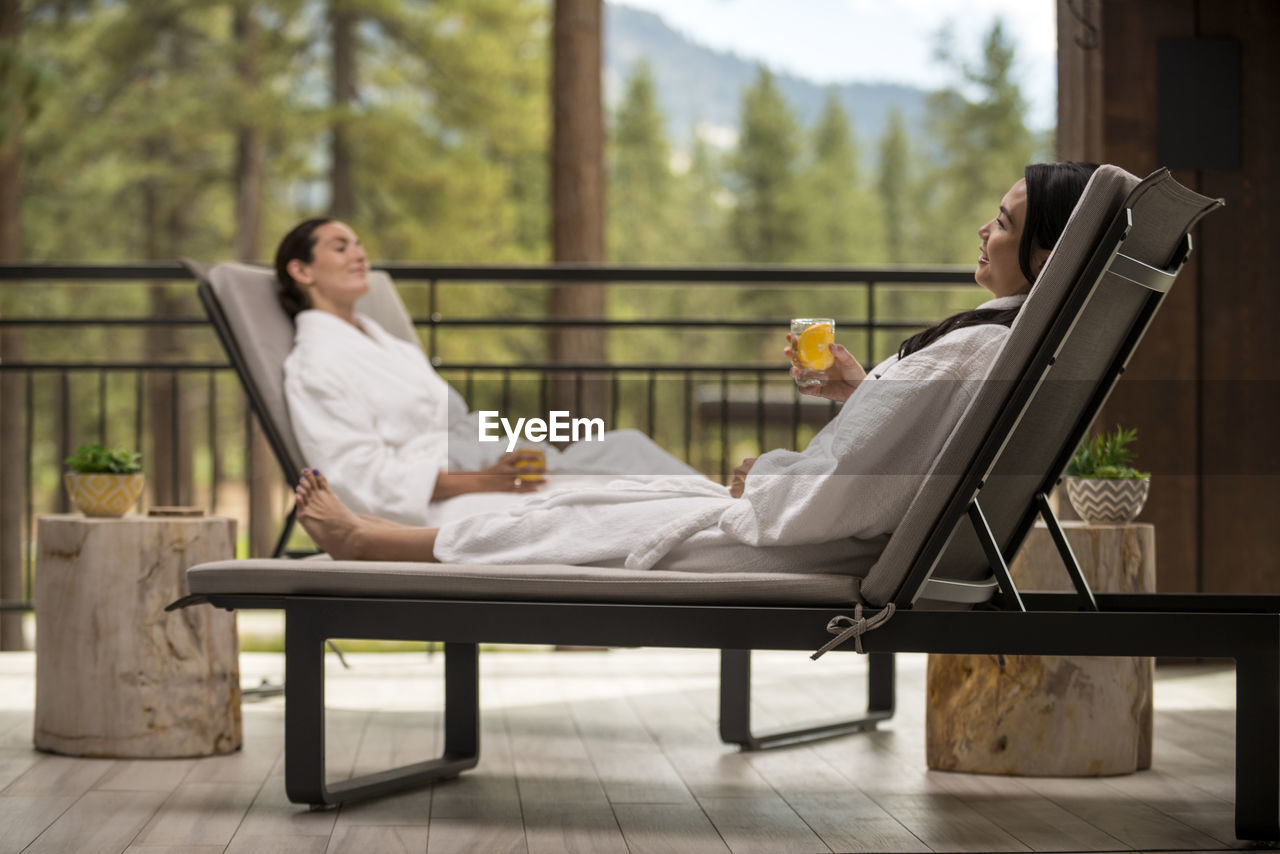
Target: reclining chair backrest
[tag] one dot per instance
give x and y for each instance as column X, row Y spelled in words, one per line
column 241, row 302
column 1077, row 329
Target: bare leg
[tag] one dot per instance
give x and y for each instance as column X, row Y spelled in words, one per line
column 346, row 536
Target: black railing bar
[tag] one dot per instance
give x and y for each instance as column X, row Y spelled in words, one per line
column 544, row 274
column 64, row 432
column 637, row 367
column 528, row 367
column 688, row 418
column 615, row 394
column 728, row 275
column 438, row 323
column 103, row 321
column 138, row 402
column 211, row 425
column 651, row 402
column 102, row 408
column 28, row 529
column 433, row 344
column 671, row 324
column 114, row 366
column 724, row 426
column 175, row 441
column 149, row 270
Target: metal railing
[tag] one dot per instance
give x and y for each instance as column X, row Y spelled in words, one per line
column 148, row 371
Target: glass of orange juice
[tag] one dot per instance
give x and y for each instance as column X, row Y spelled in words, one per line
column 811, row 340
column 534, row 458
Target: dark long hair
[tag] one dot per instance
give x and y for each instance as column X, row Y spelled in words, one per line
column 298, row 245
column 1052, row 192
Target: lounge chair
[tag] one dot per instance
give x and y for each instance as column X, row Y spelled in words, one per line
column 240, row 300
column 941, row 585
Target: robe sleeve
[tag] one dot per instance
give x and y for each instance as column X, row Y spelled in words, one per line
column 858, row 476
column 338, row 435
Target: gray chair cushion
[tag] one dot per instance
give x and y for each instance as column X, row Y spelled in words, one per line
column 263, row 332
column 525, row 583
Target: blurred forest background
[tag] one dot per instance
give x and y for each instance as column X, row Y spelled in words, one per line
column 207, row 127
column 134, row 131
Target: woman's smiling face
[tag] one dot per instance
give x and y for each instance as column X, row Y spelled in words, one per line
column 998, row 269
column 338, row 273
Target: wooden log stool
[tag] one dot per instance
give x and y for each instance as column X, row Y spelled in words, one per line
column 116, row 676
column 1050, row 715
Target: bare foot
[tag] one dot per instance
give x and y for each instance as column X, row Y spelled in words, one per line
column 330, row 523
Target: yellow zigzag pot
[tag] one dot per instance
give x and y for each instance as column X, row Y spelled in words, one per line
column 1100, row 499
column 103, row 494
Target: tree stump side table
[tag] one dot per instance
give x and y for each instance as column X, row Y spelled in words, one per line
column 116, row 676
column 1051, row 715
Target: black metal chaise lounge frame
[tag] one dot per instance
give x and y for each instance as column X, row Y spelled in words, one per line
column 240, row 302
column 942, row 584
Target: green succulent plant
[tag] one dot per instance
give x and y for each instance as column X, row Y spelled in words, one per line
column 1106, row 455
column 98, row 459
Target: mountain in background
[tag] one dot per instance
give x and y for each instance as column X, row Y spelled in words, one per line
column 700, row 87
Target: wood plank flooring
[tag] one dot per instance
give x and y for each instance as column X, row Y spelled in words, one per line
column 616, row 751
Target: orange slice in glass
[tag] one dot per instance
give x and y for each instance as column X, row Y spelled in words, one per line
column 814, row 348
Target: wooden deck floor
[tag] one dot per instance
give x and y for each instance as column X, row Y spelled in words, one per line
column 616, row 751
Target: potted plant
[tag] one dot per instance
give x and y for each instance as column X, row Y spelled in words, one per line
column 102, row 481
column 1101, row 484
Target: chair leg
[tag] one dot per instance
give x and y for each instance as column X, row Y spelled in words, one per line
column 1258, row 746
column 283, row 539
column 304, row 750
column 735, row 704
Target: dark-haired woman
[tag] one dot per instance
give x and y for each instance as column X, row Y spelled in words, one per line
column 829, row 508
column 394, row 438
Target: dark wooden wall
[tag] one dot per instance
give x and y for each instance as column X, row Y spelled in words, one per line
column 1204, row 387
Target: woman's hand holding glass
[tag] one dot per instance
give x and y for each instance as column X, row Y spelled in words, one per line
column 518, row 471
column 836, row 382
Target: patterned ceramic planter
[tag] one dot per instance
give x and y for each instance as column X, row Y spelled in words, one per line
column 103, row 494
column 1101, row 499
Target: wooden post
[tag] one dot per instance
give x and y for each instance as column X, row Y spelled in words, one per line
column 342, row 28
column 577, row 194
column 264, row 492
column 12, row 395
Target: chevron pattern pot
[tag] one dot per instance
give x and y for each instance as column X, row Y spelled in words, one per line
column 1101, row 499
column 103, row 494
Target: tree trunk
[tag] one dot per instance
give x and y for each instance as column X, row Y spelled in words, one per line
column 250, row 151
column 12, row 451
column 250, row 157
column 577, row 195
column 169, row 464
column 342, row 25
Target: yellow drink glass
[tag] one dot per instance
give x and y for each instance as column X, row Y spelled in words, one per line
column 533, row 458
column 811, row 340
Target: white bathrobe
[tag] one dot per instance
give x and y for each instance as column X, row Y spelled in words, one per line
column 830, row 508
column 370, row 412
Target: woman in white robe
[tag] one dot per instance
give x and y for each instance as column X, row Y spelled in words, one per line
column 393, row 437
column 828, row 508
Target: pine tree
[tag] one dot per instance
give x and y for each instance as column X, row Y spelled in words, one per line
column 982, row 146
column 766, row 223
column 894, row 187
column 843, row 225
column 640, row 185
column 699, row 213
column 451, row 158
